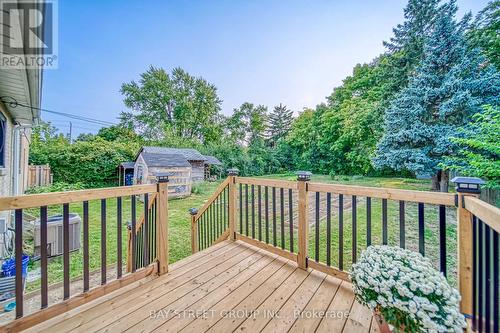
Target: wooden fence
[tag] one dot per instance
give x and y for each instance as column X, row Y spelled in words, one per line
column 39, row 175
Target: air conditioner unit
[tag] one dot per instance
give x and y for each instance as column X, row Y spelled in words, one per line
column 55, row 234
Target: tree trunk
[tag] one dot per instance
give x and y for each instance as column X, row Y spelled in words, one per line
column 436, row 179
column 443, row 182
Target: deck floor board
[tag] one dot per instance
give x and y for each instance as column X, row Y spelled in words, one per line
column 232, row 287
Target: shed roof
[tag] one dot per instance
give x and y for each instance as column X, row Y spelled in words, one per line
column 165, row 160
column 127, row 165
column 188, row 153
column 212, row 160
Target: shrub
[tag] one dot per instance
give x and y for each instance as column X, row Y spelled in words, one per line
column 407, row 290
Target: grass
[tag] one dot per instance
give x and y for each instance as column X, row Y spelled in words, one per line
column 431, row 213
column 180, row 234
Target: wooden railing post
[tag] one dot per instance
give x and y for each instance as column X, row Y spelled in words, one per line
column 465, row 186
column 194, row 230
column 162, row 223
column 303, row 230
column 233, row 173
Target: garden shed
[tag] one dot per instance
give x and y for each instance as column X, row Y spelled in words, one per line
column 184, row 166
column 212, row 165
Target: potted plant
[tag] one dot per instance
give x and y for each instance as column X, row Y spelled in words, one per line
column 406, row 292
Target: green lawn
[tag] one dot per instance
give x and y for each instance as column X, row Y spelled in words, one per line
column 179, row 236
column 179, row 226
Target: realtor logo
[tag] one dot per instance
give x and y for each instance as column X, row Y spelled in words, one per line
column 28, row 36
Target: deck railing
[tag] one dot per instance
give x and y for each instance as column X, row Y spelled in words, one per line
column 149, row 242
column 210, row 224
column 327, row 226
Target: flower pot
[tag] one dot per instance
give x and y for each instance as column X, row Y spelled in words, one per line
column 382, row 324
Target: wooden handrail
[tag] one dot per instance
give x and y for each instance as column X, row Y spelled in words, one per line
column 487, row 213
column 57, row 198
column 267, row 182
column 212, row 198
column 436, row 198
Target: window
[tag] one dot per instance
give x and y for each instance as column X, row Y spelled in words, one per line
column 3, row 135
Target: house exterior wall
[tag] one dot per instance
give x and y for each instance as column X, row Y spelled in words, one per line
column 197, row 171
column 6, row 169
column 13, row 174
column 140, row 171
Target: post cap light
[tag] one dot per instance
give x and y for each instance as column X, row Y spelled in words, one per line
column 304, row 175
column 468, row 184
column 193, row 211
column 162, row 177
column 233, row 172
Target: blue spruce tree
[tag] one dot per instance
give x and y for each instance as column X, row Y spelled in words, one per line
column 450, row 85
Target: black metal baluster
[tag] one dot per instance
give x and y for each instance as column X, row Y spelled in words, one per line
column 211, row 224
column 328, row 228
column 43, row 257
column 354, row 233
column 368, row 221
column 474, row 273
column 480, row 277
column 204, row 231
column 66, row 251
column 133, row 227
column 421, row 229
column 246, row 210
column 216, row 220
column 259, row 210
column 253, row 211
column 442, row 238
column 341, row 231
column 19, row 262
column 282, row 217
column 487, row 278
column 145, row 227
column 274, row 215
column 86, row 267
column 103, row 241
column 496, row 286
column 402, row 227
column 266, row 208
column 384, row 222
column 290, row 213
column 224, row 215
column 200, row 233
column 316, row 236
column 241, row 209
column 119, row 237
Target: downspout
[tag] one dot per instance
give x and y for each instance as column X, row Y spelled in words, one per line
column 16, row 156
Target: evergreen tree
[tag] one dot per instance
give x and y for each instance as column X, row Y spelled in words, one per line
column 280, row 123
column 409, row 37
column 485, row 32
column 450, row 86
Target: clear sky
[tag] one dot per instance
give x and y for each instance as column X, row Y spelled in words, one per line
column 262, row 51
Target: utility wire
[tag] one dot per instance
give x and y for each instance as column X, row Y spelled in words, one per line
column 14, row 103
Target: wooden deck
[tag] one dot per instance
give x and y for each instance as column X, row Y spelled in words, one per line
column 231, row 286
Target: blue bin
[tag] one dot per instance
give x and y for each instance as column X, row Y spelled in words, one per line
column 9, row 266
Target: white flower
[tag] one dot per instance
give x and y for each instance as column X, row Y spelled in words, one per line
column 391, row 277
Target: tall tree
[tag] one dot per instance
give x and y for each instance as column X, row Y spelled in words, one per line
column 479, row 147
column 409, row 37
column 485, row 32
column 247, row 123
column 163, row 104
column 450, row 86
column 280, row 122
